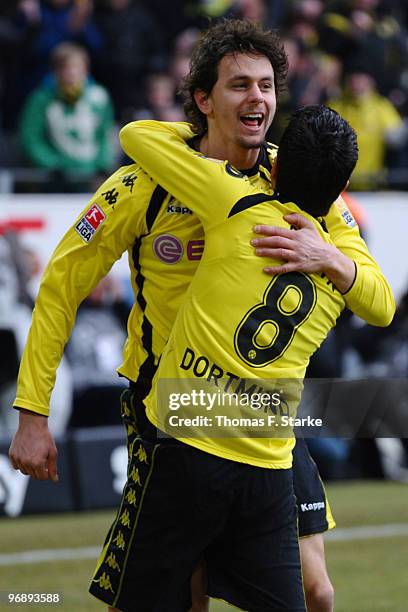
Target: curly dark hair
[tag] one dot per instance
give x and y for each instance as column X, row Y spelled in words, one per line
column 227, row 37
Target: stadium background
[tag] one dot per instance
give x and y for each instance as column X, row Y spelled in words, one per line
column 139, row 52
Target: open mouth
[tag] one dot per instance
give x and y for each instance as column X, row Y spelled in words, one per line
column 254, row 120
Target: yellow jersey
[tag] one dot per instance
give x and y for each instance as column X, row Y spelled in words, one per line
column 164, row 241
column 371, row 116
column 235, row 323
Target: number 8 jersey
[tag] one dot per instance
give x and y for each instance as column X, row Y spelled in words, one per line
column 236, row 323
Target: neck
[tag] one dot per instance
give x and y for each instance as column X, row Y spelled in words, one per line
column 242, row 159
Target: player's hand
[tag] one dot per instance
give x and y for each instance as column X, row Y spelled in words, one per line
column 303, row 250
column 33, row 449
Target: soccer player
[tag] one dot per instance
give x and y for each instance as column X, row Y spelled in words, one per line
column 219, row 94
column 164, row 240
column 229, row 498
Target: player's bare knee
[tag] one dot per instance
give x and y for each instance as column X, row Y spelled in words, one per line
column 320, row 597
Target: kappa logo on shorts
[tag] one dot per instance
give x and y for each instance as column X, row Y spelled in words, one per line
column 168, row 248
column 87, row 226
column 112, row 565
column 312, row 506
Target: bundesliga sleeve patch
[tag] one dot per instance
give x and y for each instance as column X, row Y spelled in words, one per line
column 87, row 226
column 345, row 213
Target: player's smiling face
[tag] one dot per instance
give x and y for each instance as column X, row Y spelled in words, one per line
column 242, row 103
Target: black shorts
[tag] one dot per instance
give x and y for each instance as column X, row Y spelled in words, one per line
column 180, row 504
column 313, row 507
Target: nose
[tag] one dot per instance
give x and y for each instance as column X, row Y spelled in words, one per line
column 255, row 94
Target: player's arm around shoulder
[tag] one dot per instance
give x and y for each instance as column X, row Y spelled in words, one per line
column 370, row 295
column 205, row 185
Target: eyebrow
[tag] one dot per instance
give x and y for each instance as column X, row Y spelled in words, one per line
column 243, row 77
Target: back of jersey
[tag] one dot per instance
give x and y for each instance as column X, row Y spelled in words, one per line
column 237, row 324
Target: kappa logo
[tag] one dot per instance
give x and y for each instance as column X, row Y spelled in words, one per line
column 168, row 248
column 181, row 210
column 87, row 226
column 312, row 506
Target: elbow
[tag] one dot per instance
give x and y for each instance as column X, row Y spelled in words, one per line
column 125, row 136
column 385, row 317
column 132, row 136
column 386, row 320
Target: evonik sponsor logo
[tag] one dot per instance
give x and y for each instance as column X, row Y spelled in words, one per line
column 170, row 249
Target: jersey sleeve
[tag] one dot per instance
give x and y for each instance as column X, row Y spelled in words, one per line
column 370, row 296
column 209, row 187
column 98, row 237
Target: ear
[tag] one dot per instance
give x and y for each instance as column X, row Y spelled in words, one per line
column 203, row 101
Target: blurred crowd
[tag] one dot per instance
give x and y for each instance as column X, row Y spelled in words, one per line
column 74, row 71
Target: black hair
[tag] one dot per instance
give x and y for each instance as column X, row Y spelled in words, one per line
column 317, row 154
column 228, row 37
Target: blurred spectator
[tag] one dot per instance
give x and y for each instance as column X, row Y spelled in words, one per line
column 174, row 17
column 94, row 350
column 313, row 77
column 302, row 21
column 47, row 23
column 210, row 8
column 377, row 123
column 11, row 47
column 160, row 100
column 9, row 354
column 15, row 318
column 131, row 50
column 254, row 10
column 67, row 124
column 180, row 62
column 384, row 354
column 366, row 31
